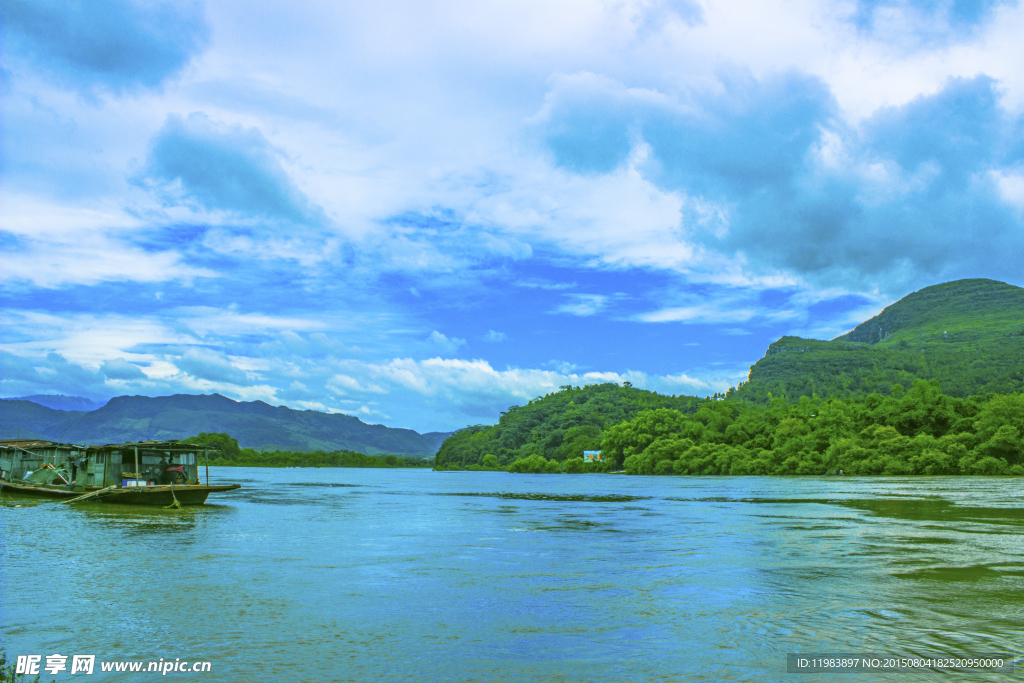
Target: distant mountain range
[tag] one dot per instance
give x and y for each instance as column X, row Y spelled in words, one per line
column 967, row 334
column 255, row 424
column 60, row 402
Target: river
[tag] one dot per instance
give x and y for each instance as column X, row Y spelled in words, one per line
column 412, row 575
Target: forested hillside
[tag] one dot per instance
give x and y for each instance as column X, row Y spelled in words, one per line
column 929, row 386
column 968, row 335
column 922, row 431
column 557, row 426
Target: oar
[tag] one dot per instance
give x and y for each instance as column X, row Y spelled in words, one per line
column 94, row 494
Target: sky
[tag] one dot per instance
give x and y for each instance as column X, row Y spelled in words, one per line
column 421, row 213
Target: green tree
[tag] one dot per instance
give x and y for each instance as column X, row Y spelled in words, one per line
column 632, row 437
column 1005, row 445
column 574, row 466
column 227, row 445
column 999, row 411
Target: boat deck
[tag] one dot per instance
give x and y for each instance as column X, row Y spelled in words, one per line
column 190, row 494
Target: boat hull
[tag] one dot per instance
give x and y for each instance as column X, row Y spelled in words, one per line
column 194, row 494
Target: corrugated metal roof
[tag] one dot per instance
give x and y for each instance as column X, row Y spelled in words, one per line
column 151, row 445
column 33, row 443
column 157, row 446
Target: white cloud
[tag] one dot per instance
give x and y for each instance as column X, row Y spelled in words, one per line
column 229, row 322
column 584, row 304
column 59, row 245
column 450, row 345
column 206, row 364
column 684, row 379
column 119, row 368
column 338, row 383
column 88, row 339
column 704, row 314
column 619, row 219
column 1011, row 187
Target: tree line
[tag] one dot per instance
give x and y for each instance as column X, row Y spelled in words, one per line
column 232, row 456
column 921, row 431
column 558, row 426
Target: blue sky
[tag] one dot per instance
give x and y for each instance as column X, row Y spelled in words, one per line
column 421, row 213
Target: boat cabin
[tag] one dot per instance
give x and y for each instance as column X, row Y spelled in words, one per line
column 138, row 463
column 21, row 456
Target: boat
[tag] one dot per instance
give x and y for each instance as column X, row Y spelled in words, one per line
column 165, row 473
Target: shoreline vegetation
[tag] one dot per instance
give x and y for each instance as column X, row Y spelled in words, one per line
column 8, row 671
column 921, row 431
column 233, row 456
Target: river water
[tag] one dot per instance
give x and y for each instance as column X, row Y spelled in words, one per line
column 412, row 575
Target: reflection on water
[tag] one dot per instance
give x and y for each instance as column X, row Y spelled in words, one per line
column 938, row 510
column 571, row 498
column 145, row 520
column 367, row 575
column 974, row 573
column 323, row 484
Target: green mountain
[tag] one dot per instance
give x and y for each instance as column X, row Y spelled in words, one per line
column 967, row 334
column 255, row 424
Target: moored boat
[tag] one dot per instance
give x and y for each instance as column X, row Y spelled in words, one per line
column 137, row 473
column 187, row 494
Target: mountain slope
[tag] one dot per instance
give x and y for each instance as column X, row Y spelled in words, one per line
column 60, row 402
column 957, row 311
column 255, row 424
column 967, row 334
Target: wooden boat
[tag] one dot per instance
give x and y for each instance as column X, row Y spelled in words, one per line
column 138, row 473
column 184, row 494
